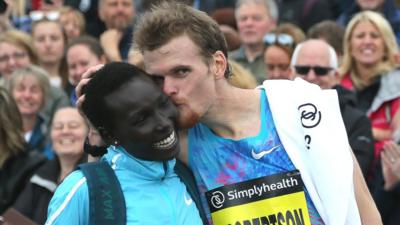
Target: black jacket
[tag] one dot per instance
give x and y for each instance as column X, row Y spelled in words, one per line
column 34, row 199
column 358, row 128
column 15, row 174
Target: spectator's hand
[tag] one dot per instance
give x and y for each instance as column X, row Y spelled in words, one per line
column 390, row 159
column 84, row 80
column 109, row 40
column 2, row 221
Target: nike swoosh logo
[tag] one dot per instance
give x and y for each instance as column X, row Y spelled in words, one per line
column 263, row 153
column 187, row 201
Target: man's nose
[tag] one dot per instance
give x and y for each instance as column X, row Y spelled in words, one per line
column 169, row 87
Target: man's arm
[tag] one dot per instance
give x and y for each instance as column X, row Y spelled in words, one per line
column 369, row 213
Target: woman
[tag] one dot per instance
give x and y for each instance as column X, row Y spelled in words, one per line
column 68, row 132
column 280, row 44
column 73, row 22
column 49, row 41
column 81, row 54
column 17, row 163
column 28, row 87
column 369, row 68
column 137, row 121
column 16, row 52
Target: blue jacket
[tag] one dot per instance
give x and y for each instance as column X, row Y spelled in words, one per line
column 153, row 194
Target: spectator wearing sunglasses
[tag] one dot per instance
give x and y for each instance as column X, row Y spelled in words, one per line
column 316, row 62
column 254, row 19
column 280, row 44
column 370, row 69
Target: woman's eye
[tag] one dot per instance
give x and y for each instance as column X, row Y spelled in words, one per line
column 138, row 120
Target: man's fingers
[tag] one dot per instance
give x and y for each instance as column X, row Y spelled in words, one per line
column 79, row 102
column 91, row 70
column 86, row 78
column 78, row 88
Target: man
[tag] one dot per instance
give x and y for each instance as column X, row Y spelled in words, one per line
column 315, row 61
column 118, row 16
column 254, row 19
column 233, row 141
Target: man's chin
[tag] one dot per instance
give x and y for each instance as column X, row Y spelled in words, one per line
column 188, row 121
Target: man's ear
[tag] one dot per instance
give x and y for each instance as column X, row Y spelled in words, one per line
column 220, row 64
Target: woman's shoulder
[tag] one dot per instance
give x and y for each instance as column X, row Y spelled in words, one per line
column 391, row 79
column 69, row 204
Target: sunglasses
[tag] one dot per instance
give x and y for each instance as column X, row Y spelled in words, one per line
column 40, row 15
column 318, row 70
column 281, row 39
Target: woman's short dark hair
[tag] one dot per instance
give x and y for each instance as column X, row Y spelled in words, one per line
column 91, row 43
column 105, row 81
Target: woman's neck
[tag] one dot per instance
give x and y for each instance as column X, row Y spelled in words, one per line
column 51, row 68
column 364, row 73
column 67, row 165
column 29, row 122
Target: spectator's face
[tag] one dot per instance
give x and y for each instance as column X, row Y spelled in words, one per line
column 370, row 4
column 12, row 58
column 28, row 95
column 277, row 63
column 49, row 42
column 68, row 133
column 117, row 14
column 315, row 55
column 79, row 59
column 188, row 80
column 71, row 25
column 144, row 120
column 253, row 23
column 366, row 44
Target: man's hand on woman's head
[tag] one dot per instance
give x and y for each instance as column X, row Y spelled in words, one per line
column 84, row 80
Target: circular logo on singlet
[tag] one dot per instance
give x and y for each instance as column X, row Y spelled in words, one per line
column 217, row 199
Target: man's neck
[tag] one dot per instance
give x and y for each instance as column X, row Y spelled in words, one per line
column 236, row 114
column 253, row 51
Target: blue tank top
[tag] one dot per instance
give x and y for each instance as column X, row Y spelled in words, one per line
column 218, row 161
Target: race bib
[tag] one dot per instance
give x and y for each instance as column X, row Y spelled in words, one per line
column 276, row 199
